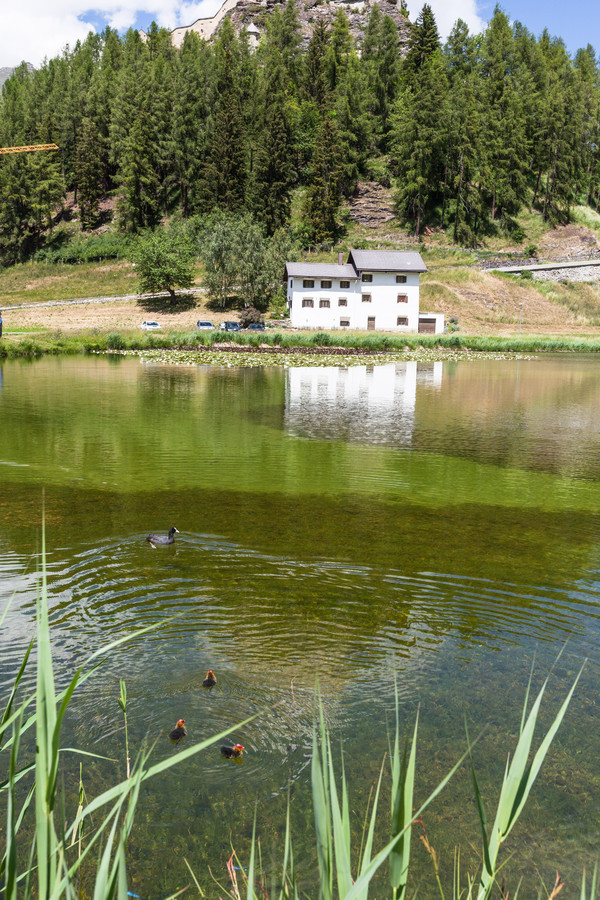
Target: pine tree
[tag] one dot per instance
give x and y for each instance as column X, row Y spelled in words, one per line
column 225, row 171
column 339, row 50
column 316, row 82
column 460, row 51
column 354, row 122
column 324, row 191
column 504, row 137
column 380, row 60
column 273, row 174
column 418, row 141
column 140, row 205
column 88, row 165
column 191, row 105
column 291, row 39
column 424, row 41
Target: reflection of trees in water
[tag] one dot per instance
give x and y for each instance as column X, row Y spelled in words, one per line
column 539, row 414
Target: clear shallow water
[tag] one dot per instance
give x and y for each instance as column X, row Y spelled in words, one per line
column 431, row 524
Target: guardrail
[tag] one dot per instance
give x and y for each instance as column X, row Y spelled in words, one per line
column 534, row 261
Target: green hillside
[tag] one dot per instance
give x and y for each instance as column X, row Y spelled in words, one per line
column 486, row 141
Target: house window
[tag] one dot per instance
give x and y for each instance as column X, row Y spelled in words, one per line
column 366, row 276
column 307, row 301
column 291, row 283
column 342, row 301
column 344, row 285
column 400, row 279
column 344, row 323
column 402, row 298
column 325, row 285
column 402, row 320
column 308, row 283
column 324, row 304
column 366, row 298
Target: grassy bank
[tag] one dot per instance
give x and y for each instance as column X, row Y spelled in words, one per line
column 87, row 342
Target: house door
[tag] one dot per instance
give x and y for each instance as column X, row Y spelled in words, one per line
column 426, row 326
column 371, row 323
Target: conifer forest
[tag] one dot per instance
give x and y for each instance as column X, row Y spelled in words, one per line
column 467, row 132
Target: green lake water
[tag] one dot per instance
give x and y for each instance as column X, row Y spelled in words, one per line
column 436, row 525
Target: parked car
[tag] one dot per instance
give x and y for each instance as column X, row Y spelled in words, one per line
column 229, row 326
column 205, row 326
column 150, row 326
column 255, row 326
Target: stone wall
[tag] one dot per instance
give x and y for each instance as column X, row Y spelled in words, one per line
column 581, row 273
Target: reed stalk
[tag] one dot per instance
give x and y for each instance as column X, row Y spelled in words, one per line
column 123, row 704
column 59, row 850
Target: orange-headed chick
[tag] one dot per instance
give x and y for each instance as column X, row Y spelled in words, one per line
column 210, row 680
column 179, row 732
column 232, row 752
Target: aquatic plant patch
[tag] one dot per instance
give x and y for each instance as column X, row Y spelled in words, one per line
column 301, row 356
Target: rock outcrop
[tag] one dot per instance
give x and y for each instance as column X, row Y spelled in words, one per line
column 371, row 204
column 6, row 72
column 250, row 14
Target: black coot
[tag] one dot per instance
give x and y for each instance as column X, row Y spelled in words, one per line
column 163, row 538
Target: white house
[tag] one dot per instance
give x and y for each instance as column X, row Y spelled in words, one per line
column 375, row 290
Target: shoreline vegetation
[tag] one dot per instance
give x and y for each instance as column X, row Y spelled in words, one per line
column 284, row 348
column 69, row 859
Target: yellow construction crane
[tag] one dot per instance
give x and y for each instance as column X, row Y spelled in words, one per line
column 28, row 148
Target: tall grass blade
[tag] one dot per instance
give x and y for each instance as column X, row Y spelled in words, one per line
column 321, row 810
column 481, row 812
column 4, row 721
column 250, row 885
column 46, row 720
column 518, row 780
column 9, row 869
column 195, row 880
column 403, row 781
column 283, row 892
column 103, row 888
column 583, row 895
column 341, row 830
column 540, row 755
column 368, row 847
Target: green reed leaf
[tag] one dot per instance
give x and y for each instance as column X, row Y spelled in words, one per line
column 403, row 781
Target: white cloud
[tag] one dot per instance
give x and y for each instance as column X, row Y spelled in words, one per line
column 33, row 29
column 30, row 31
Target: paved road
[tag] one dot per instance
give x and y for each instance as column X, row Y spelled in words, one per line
column 80, row 300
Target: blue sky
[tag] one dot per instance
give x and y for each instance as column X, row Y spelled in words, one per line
column 577, row 23
column 33, row 29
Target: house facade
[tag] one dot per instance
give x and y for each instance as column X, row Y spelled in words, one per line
column 373, row 290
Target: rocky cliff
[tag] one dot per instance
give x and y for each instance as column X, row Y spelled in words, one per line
column 6, row 72
column 250, row 14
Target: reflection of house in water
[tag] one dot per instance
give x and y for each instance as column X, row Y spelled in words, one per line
column 366, row 404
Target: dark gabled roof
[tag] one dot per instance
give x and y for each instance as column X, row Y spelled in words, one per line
column 386, row 261
column 319, row 270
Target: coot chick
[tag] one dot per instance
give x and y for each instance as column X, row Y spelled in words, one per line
column 163, row 538
column 210, row 680
column 179, row 732
column 232, row 752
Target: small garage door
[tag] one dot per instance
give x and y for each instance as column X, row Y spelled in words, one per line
column 426, row 326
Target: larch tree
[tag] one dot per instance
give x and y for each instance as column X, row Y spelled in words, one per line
column 89, row 170
column 272, row 178
column 225, row 172
column 324, row 190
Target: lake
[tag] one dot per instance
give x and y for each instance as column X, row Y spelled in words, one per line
column 433, row 526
